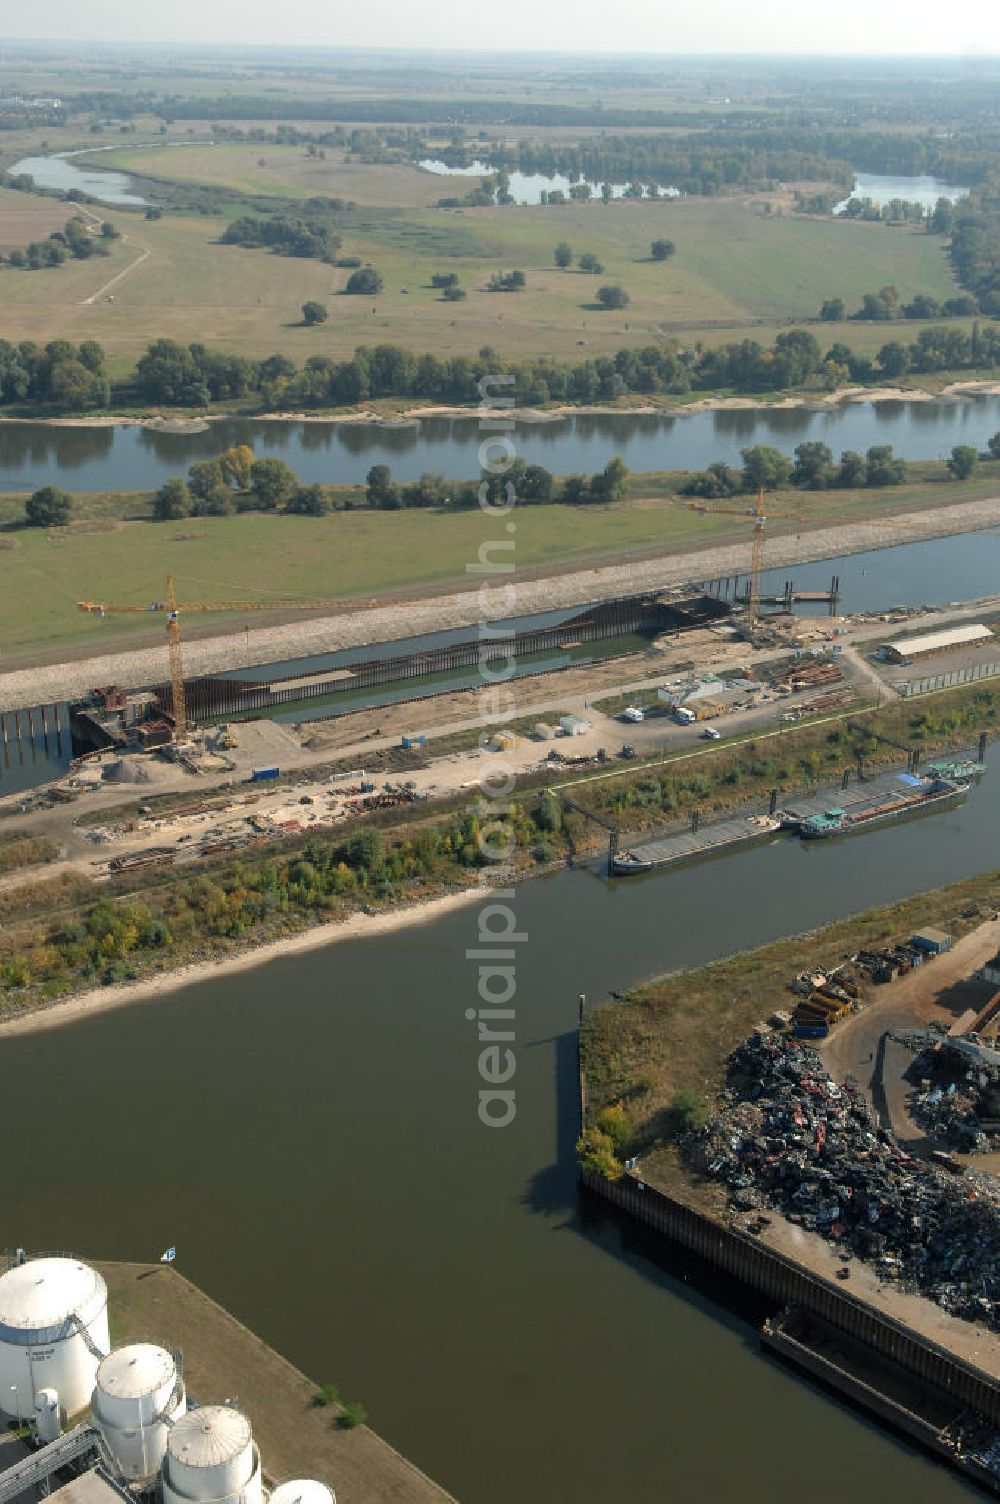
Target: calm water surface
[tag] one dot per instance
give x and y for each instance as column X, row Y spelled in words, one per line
column 62, row 173
column 882, row 188
column 307, row 1136
column 528, row 187
column 128, row 457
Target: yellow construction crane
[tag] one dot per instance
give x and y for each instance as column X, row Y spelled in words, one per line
column 758, row 517
column 172, row 609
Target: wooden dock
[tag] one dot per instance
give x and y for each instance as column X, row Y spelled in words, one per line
column 225, row 1360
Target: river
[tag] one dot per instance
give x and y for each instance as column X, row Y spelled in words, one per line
column 129, row 457
column 306, row 1135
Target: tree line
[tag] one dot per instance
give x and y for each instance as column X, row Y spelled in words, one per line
column 532, row 485
column 975, row 245
column 705, row 163
column 886, row 306
column 169, row 374
column 813, row 468
column 237, row 481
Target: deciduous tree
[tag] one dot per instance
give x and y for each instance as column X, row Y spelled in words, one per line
column 172, row 500
column 48, row 507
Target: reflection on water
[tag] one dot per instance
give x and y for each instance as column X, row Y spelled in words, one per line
column 130, row 457
column 882, row 188
column 58, row 172
column 439, row 1270
column 528, row 187
column 30, row 753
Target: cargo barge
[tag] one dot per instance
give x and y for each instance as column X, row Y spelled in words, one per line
column 925, row 794
column 959, row 770
column 690, row 845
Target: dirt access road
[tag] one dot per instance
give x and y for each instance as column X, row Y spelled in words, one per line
column 941, row 990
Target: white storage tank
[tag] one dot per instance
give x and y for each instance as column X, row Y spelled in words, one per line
column 138, row 1396
column 211, row 1459
column 48, row 1419
column 53, row 1333
column 302, row 1491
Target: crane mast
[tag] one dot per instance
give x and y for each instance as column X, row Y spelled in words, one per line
column 756, row 563
column 172, row 610
column 177, row 704
column 758, row 517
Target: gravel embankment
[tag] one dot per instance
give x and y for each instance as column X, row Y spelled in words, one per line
column 239, row 649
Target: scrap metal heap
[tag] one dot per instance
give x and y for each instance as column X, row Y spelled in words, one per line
column 789, row 1138
column 955, row 1102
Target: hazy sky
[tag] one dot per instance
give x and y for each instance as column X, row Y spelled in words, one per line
column 645, row 26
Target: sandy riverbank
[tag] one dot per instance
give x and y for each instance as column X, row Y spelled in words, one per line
column 358, row 927
column 411, row 415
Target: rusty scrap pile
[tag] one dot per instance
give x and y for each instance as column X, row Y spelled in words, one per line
column 390, row 798
column 788, row 1137
column 950, row 1109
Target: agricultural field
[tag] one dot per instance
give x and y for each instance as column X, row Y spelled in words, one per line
column 738, row 271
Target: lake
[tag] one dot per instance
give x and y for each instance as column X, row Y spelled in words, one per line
column 528, row 187
column 882, row 188
column 59, row 172
column 129, row 457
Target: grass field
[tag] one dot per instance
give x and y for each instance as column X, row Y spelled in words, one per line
column 287, row 171
column 344, row 556
column 737, row 272
column 24, row 218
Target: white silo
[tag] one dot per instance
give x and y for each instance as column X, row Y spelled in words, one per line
column 53, row 1333
column 302, row 1491
column 137, row 1397
column 211, row 1459
column 48, row 1417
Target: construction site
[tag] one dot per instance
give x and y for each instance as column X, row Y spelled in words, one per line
column 631, row 678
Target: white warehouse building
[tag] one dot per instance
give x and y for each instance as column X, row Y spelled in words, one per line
column 906, row 649
column 53, row 1333
column 212, row 1459
column 138, row 1396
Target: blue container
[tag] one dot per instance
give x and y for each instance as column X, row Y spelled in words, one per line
column 811, row 1031
column 258, row 775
